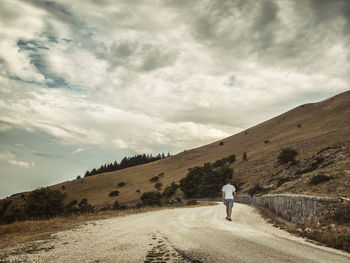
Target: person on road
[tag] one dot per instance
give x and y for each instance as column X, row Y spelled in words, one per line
column 228, row 191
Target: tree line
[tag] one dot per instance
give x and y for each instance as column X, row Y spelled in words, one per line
column 126, row 162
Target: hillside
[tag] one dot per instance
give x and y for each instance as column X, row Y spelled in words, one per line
column 308, row 129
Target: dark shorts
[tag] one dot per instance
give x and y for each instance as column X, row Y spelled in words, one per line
column 229, row 202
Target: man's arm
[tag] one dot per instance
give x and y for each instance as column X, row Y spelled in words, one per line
column 234, row 193
column 223, row 197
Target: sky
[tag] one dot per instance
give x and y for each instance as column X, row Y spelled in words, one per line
column 86, row 82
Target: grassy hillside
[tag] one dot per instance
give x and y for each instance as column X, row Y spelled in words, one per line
column 308, row 129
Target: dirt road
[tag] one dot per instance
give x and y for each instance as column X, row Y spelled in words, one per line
column 198, row 234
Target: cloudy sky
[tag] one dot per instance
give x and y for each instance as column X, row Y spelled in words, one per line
column 90, row 82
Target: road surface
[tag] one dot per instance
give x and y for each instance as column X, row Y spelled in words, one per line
column 199, row 234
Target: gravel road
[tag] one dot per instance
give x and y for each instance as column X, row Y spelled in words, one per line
column 199, row 234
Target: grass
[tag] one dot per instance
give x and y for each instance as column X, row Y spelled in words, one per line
column 22, row 231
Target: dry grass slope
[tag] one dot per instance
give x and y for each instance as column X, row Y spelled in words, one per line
column 308, row 129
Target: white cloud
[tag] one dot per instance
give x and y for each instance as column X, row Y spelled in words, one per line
column 78, row 150
column 5, row 156
column 21, row 164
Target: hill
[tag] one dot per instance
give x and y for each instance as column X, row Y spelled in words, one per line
column 319, row 132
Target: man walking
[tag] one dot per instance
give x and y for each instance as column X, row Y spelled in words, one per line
column 228, row 191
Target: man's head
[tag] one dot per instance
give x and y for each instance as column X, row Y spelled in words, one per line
column 227, row 181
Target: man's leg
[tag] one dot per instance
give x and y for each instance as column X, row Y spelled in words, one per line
column 229, row 211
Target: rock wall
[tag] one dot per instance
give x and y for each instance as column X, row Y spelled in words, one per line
column 298, row 209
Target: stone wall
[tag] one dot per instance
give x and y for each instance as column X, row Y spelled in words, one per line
column 298, row 209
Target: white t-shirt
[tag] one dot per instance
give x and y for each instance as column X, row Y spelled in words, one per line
column 228, row 189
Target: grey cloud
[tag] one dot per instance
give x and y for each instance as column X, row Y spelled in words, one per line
column 267, row 15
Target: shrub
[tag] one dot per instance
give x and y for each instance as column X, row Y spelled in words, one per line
column 158, row 185
column 256, row 189
column 63, row 187
column 320, row 178
column 221, row 143
column 266, row 141
column 121, row 184
column 231, row 158
column 151, row 198
column 85, row 207
column 78, row 177
column 245, row 157
column 287, row 155
column 44, row 203
column 154, row 179
column 299, row 125
column 71, row 207
column 114, row 193
column 137, row 191
column 161, row 174
column 116, row 205
column 170, row 190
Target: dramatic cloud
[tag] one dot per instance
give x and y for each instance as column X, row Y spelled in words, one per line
column 133, row 76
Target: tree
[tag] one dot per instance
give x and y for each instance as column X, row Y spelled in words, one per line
column 287, row 155
column 85, row 207
column 151, row 198
column 44, row 203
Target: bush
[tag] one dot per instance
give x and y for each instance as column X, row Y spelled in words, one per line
column 116, row 205
column 221, row 143
column 151, row 198
column 137, row 191
column 161, row 175
column 114, row 193
column 256, row 189
column 154, row 179
column 71, row 207
column 320, row 178
column 121, row 184
column 78, row 177
column 245, row 157
column 158, row 185
column 44, row 203
column 63, row 187
column 170, row 190
column 85, row 207
column 287, row 155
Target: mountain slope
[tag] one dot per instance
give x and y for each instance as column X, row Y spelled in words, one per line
column 308, row 129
